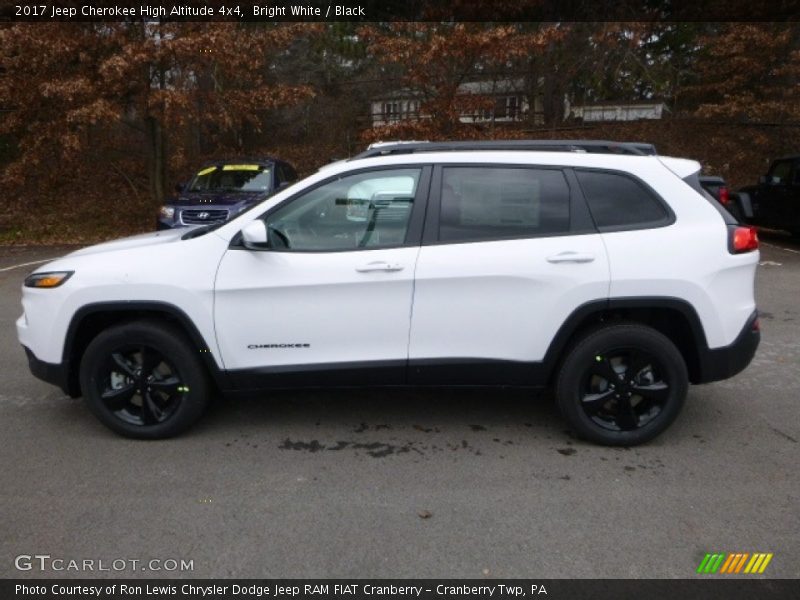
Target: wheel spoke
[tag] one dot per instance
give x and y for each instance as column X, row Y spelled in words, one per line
column 123, row 364
column 169, row 385
column 117, row 399
column 150, row 360
column 151, row 413
column 626, row 416
column 593, row 403
column 603, row 368
column 636, row 364
column 657, row 392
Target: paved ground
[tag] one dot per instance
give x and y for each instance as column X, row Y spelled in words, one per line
column 333, row 484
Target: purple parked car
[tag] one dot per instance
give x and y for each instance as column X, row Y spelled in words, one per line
column 222, row 189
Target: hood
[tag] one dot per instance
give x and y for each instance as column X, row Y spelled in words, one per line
column 210, row 198
column 144, row 239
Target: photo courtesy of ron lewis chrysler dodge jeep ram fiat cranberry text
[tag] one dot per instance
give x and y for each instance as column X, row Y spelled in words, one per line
column 589, row 267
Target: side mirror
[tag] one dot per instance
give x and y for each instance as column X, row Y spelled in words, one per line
column 179, row 187
column 254, row 235
column 762, row 180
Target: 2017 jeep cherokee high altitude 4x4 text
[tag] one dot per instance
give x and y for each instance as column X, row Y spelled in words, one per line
column 586, row 266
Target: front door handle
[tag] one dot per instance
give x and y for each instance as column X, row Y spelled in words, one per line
column 379, row 266
column 571, row 257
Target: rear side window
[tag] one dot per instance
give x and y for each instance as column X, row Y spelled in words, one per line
column 618, row 201
column 485, row 203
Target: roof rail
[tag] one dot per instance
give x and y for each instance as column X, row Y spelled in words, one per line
column 587, row 146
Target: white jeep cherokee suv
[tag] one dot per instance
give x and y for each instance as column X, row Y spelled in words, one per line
column 589, row 267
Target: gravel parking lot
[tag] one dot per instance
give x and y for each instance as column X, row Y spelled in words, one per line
column 409, row 483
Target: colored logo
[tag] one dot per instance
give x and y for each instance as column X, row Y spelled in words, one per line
column 734, row 562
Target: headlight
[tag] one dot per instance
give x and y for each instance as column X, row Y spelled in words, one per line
column 47, row 280
column 166, row 212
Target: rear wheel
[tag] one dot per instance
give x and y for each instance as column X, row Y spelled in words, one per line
column 622, row 385
column 144, row 380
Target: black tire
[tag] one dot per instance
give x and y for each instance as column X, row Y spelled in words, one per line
column 650, row 382
column 143, row 379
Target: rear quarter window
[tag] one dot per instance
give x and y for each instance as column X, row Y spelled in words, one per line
column 618, row 201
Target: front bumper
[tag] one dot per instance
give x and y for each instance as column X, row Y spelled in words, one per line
column 55, row 374
column 722, row 363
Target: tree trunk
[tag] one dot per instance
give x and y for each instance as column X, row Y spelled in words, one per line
column 155, row 160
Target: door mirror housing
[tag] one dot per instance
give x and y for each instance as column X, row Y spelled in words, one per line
column 254, row 235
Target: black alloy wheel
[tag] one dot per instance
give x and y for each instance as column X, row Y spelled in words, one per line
column 144, row 379
column 625, row 389
column 622, row 384
column 140, row 386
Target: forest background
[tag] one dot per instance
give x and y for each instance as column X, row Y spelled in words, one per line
column 100, row 121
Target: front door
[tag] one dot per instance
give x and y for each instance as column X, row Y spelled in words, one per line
column 329, row 300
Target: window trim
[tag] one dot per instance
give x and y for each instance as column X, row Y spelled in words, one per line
column 415, row 220
column 580, row 220
column 668, row 219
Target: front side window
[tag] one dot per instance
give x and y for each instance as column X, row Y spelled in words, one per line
column 616, row 200
column 366, row 210
column 485, row 203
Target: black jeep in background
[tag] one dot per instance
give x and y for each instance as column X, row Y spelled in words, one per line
column 775, row 201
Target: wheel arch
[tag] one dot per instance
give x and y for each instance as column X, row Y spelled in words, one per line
column 91, row 319
column 673, row 317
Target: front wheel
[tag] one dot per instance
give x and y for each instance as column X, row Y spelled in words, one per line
column 144, row 380
column 622, row 385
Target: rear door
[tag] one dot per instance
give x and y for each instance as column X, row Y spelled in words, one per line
column 509, row 252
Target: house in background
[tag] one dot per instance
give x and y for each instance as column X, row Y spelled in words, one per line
column 613, row 111
column 511, row 104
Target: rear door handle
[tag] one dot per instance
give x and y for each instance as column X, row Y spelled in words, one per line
column 379, row 266
column 571, row 257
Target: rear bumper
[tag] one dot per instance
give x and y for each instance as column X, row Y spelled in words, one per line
column 55, row 374
column 725, row 362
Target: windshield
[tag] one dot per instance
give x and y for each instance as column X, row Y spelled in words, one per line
column 232, row 178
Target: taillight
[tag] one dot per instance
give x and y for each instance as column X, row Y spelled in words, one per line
column 742, row 239
column 724, row 196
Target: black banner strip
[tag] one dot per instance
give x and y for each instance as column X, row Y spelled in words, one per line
column 729, row 588
column 267, row 11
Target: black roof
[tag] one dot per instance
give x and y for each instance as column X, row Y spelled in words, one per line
column 587, row 146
